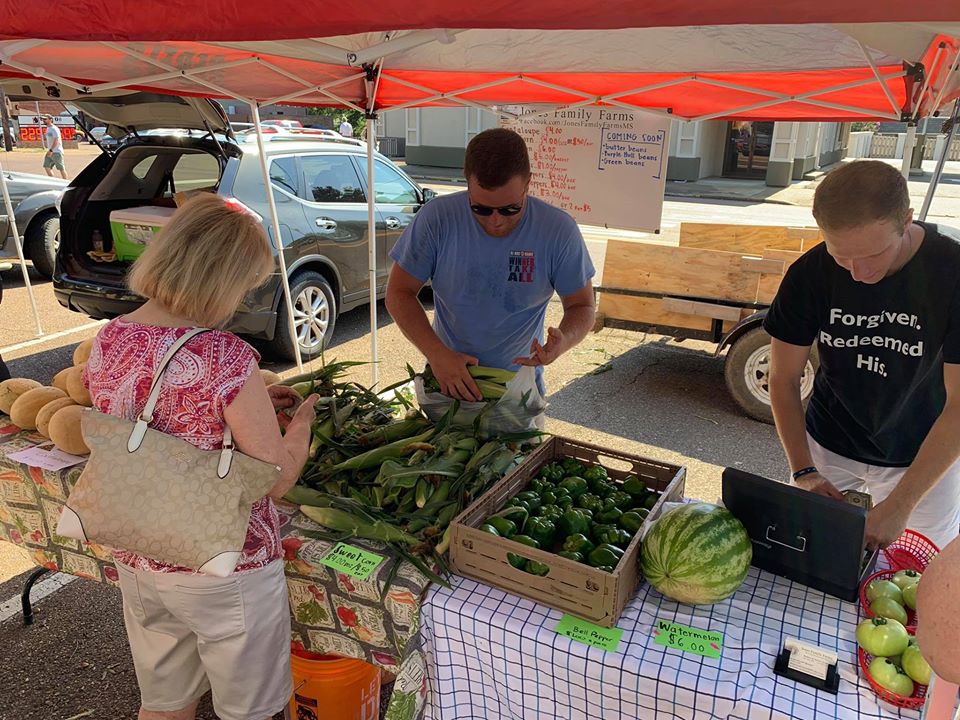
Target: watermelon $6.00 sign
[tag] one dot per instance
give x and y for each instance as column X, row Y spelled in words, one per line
column 697, row 554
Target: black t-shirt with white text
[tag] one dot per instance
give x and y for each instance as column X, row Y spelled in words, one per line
column 882, row 347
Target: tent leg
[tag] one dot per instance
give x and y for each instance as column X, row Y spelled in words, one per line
column 8, row 206
column 372, row 247
column 908, row 144
column 277, row 238
column 941, row 161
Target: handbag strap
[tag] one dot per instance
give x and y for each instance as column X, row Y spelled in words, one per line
column 146, row 416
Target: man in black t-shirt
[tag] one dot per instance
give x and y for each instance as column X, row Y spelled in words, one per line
column 881, row 298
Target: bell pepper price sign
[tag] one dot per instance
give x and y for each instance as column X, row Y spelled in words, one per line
column 352, row 561
column 589, row 634
column 707, row 643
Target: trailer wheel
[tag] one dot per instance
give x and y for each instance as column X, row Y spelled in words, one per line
column 747, row 372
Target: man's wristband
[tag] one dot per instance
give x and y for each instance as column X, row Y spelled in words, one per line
column 805, row 471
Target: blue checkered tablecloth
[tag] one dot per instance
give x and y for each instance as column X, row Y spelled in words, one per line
column 492, row 655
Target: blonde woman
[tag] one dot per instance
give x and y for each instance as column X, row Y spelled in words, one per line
column 188, row 632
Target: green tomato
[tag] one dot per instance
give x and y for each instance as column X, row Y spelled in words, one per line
column 889, row 676
column 890, row 609
column 915, row 666
column 904, row 578
column 910, row 595
column 882, row 637
column 884, row 588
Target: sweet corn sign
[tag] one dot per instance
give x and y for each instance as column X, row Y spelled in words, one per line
column 352, row 561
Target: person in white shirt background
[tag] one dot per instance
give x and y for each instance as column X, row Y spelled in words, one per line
column 346, row 129
column 54, row 142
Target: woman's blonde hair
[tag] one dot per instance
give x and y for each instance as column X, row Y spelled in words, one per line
column 204, row 261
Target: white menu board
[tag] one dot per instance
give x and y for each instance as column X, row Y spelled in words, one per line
column 604, row 165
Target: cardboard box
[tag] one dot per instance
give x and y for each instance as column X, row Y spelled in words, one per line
column 571, row 587
column 132, row 228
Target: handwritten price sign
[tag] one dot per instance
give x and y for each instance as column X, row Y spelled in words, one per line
column 687, row 639
column 352, row 561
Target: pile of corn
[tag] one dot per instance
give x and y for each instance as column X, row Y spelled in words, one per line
column 379, row 469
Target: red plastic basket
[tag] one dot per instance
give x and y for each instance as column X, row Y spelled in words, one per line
column 865, row 604
column 911, row 551
column 914, row 702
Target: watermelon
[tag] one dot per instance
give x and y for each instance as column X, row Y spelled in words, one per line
column 697, row 554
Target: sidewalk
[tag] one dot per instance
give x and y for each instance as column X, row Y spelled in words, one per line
column 799, row 193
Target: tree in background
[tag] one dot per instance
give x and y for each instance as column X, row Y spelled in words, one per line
column 354, row 117
column 864, row 126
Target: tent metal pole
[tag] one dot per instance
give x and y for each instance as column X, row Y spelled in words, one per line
column 908, row 144
column 372, row 247
column 941, row 161
column 277, row 237
column 8, row 205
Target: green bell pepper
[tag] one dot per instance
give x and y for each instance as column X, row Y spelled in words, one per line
column 574, row 521
column 607, row 568
column 589, row 501
column 531, row 500
column 634, row 486
column 623, row 538
column 594, row 475
column 548, row 497
column 570, row 555
column 578, row 543
column 576, row 486
column 488, row 528
column 551, row 472
column 542, row 530
column 534, row 567
column 651, row 500
column 604, row 490
column 518, row 561
column 605, row 556
column 505, row 528
column 550, row 512
column 620, row 500
column 571, row 467
column 609, row 515
column 631, row 521
column 605, row 534
column 565, row 502
column 536, row 485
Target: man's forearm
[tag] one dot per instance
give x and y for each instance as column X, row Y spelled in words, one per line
column 938, row 452
column 791, row 425
column 408, row 313
column 576, row 323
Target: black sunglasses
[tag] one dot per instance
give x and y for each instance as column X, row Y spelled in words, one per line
column 506, row 210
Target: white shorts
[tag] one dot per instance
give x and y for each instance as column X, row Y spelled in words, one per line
column 937, row 516
column 193, row 633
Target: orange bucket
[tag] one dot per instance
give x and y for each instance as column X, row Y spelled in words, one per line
column 328, row 687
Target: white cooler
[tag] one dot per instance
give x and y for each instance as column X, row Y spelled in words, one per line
column 132, row 228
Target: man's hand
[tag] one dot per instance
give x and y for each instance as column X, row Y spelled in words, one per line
column 817, row 483
column 450, row 369
column 283, row 397
column 546, row 353
column 886, row 522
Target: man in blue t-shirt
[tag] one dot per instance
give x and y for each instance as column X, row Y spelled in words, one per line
column 881, row 299
column 494, row 256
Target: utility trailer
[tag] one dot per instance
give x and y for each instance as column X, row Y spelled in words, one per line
column 716, row 285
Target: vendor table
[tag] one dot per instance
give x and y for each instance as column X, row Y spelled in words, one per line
column 330, row 612
column 494, row 655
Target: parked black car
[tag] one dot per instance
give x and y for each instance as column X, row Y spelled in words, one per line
column 320, row 190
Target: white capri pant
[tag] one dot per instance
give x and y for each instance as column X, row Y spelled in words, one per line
column 937, row 516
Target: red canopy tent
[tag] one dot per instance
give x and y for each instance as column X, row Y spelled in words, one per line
column 708, row 59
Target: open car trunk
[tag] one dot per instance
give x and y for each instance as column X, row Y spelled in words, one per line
column 141, row 176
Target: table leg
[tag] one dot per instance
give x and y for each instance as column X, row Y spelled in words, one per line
column 25, row 595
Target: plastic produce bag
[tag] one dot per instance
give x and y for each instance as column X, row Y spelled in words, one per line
column 521, row 409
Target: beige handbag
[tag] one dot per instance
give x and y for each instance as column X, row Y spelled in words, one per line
column 162, row 497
